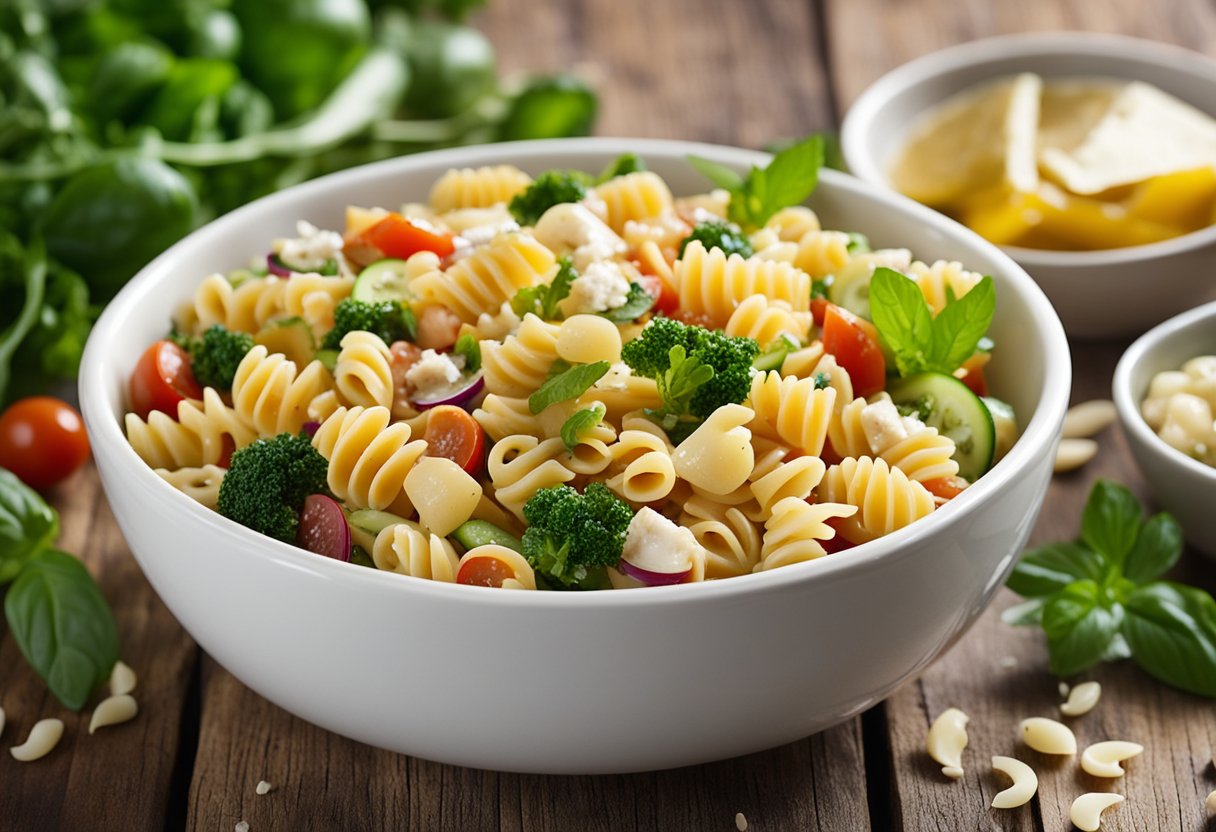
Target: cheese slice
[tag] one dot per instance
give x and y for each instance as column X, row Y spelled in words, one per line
column 980, row 139
column 1143, row 133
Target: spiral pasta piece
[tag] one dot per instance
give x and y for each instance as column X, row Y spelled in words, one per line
column 796, row 478
column 846, row 432
column 200, row 484
column 491, row 275
column 793, row 410
column 924, row 455
column 369, row 458
column 518, row 366
column 271, row 397
column 363, row 373
column 945, row 277
column 793, row 223
column 199, row 436
column 519, row 466
column 254, row 303
column 885, row 498
column 635, row 196
column 732, row 541
column 648, row 478
column 821, row 253
column 712, row 284
column 794, row 531
column 766, row 320
column 477, row 187
column 407, row 549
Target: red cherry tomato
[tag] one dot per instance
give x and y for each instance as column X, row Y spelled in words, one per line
column 453, row 434
column 42, row 441
column 972, row 373
column 666, row 299
column 945, row 488
column 161, row 379
column 819, row 308
column 484, row 571
column 397, row 236
column 853, row 341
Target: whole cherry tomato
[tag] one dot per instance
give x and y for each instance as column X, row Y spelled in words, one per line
column 42, row 441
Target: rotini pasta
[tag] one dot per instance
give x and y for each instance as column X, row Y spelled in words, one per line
column 885, row 498
column 519, row 466
column 821, row 253
column 477, row 187
column 199, row 484
column 793, row 532
column 635, row 196
column 491, row 275
column 713, row 285
column 369, row 458
column 200, row 435
column 363, row 374
column 795, row 410
column 407, row 548
column 941, row 280
column 270, row 397
column 254, row 303
column 766, row 320
column 518, row 365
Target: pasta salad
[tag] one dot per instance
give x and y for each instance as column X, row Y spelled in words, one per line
column 578, row 382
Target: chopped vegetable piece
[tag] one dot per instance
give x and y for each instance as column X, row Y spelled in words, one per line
column 853, row 342
column 552, row 187
column 391, row 320
column 162, row 379
column 268, row 481
column 572, row 537
column 453, row 434
column 398, row 237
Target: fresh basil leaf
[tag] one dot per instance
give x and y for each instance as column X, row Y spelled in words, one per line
column 1171, row 630
column 581, row 421
column 1079, row 627
column 1049, row 569
column 1157, row 548
column 27, row 524
column 468, row 346
column 1111, row 521
column 719, row 174
column 568, row 385
column 958, row 328
column 637, row 303
column 60, row 620
column 788, row 180
column 903, row 319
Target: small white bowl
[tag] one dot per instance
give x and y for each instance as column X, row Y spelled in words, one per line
column 1181, row 484
column 1098, row 294
column 565, row 682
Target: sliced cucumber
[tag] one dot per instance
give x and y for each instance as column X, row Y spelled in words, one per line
column 328, row 358
column 773, row 357
column 474, row 533
column 372, row 521
column 383, row 280
column 1006, row 426
column 292, row 337
column 945, row 403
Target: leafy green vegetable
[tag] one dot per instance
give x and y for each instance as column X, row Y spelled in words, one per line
column 542, row 300
column 723, row 235
column 788, row 180
column 571, row 538
column 553, row 187
column 27, row 524
column 569, row 384
column 62, row 625
column 267, row 482
column 921, row 342
column 1098, row 599
column 624, row 164
column 391, row 320
column 580, row 422
column 637, row 303
column 468, row 346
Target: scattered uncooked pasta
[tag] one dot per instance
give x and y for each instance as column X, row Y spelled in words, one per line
column 1025, row 783
column 1081, row 699
column 43, row 737
column 113, row 710
column 122, row 678
column 1048, row 736
column 1086, row 811
column 241, row 826
column 1064, row 690
column 946, row 740
column 263, row 787
column 740, row 822
column 1087, row 419
column 459, row 361
column 1102, row 759
column 1210, row 803
column 1074, row 453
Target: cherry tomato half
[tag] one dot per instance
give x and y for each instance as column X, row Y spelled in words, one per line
column 945, row 488
column 42, row 441
column 453, row 434
column 399, row 237
column 161, row 379
column 492, row 565
column 666, row 299
column 853, row 342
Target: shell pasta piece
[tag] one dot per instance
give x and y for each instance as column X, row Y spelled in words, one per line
column 885, row 498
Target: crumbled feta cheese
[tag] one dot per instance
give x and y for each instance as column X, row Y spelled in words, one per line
column 898, row 259
column 571, row 228
column 617, row 377
column 497, row 327
column 601, row 286
column 310, row 250
column 480, row 235
column 433, row 372
column 653, row 539
column 883, row 425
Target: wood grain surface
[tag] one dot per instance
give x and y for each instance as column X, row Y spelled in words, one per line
column 716, row 70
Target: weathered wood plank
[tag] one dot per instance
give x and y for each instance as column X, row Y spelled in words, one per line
column 119, row 778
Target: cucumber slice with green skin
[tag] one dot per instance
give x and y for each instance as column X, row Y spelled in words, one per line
column 372, row 521
column 1006, row 425
column 474, row 533
column 852, row 294
column 292, row 337
column 774, row 356
column 945, row 403
column 383, row 280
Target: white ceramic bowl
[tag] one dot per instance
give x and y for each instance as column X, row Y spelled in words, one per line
column 1182, row 485
column 1117, row 292
column 558, row 682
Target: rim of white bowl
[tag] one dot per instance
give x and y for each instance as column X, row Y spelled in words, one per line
column 1127, row 401
column 1036, row 438
column 976, row 54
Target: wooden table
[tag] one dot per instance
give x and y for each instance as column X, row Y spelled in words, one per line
column 741, row 72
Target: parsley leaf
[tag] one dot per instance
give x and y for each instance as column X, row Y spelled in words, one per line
column 468, row 346
column 567, row 385
column 542, row 300
column 581, row 421
column 788, row 180
column 637, row 303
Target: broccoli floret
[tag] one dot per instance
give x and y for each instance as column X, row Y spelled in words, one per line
column 267, row 483
column 571, row 537
column 552, row 187
column 718, row 234
column 392, row 320
column 215, row 356
column 697, row 370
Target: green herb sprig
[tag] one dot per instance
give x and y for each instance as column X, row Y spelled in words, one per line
column 568, row 384
column 542, row 300
column 921, row 342
column 788, row 180
column 1098, row 598
column 580, row 423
